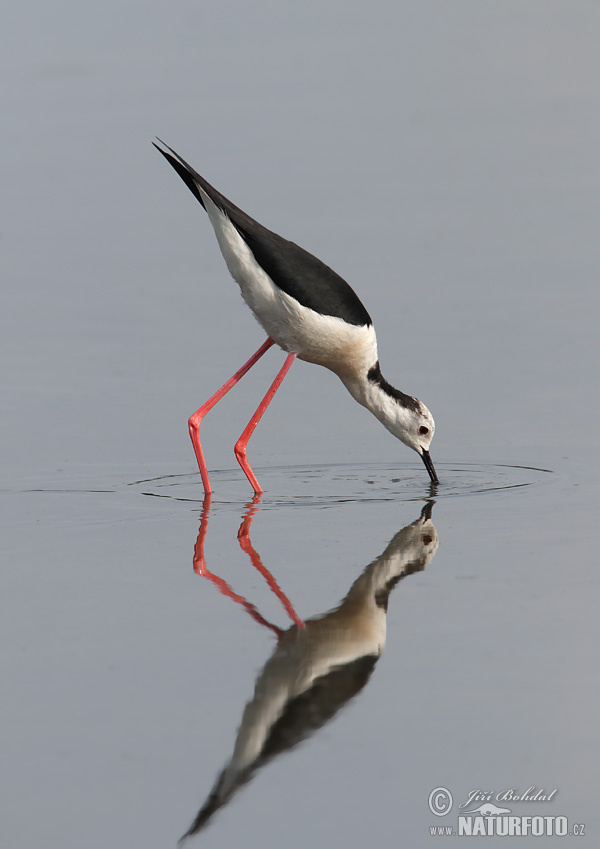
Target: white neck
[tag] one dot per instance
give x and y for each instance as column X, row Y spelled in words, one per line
column 371, row 396
column 392, row 414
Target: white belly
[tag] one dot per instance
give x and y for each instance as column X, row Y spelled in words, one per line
column 322, row 339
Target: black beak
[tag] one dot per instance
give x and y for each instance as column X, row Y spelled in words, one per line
column 429, row 466
column 427, row 511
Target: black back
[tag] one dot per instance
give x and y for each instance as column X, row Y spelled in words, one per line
column 301, row 717
column 295, row 271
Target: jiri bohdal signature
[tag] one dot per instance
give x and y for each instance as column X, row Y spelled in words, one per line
column 512, row 794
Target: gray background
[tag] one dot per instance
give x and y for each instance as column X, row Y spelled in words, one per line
column 443, row 158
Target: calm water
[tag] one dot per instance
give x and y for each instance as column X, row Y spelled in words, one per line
column 157, row 647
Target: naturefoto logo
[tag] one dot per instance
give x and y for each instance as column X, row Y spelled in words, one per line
column 489, row 810
column 488, row 818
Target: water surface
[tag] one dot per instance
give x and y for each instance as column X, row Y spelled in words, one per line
column 445, row 163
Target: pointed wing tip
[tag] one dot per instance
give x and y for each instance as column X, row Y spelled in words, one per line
column 160, row 149
column 191, row 178
column 170, row 149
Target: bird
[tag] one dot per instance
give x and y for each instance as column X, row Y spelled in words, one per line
column 311, row 313
column 316, row 669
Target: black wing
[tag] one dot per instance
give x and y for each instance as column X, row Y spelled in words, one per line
column 297, row 272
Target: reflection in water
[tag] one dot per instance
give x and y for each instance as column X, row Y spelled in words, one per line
column 244, row 540
column 318, row 665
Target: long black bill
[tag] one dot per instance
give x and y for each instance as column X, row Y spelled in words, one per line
column 429, row 466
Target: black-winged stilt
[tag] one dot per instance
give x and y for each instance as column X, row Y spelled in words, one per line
column 318, row 664
column 311, row 313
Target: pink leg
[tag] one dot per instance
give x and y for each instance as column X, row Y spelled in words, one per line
column 220, row 584
column 255, row 559
column 199, row 560
column 242, row 443
column 196, row 418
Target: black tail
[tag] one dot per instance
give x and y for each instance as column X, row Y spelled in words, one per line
column 185, row 171
column 289, row 266
column 215, row 801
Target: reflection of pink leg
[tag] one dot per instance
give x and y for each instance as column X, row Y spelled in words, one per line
column 242, row 443
column 196, row 418
column 199, row 561
column 248, row 548
column 220, row 584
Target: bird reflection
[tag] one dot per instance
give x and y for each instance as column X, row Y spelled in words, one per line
column 319, row 664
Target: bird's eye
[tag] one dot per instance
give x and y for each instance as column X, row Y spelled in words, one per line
column 423, row 429
column 427, row 540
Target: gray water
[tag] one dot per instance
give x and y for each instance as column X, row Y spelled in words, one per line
column 443, row 158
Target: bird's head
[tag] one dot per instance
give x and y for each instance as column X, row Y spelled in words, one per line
column 404, row 416
column 415, row 427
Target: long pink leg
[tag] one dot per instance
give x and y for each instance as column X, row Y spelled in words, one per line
column 242, row 443
column 255, row 559
column 223, row 587
column 196, row 418
column 199, row 559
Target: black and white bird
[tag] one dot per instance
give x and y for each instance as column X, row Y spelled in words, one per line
column 315, row 670
column 311, row 313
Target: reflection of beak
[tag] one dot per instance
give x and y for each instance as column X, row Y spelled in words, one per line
column 429, row 466
column 427, row 511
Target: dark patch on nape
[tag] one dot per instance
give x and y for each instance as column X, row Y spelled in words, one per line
column 375, row 376
column 292, row 269
column 382, row 595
